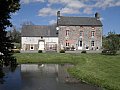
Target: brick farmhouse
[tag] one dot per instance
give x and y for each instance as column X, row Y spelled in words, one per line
column 70, row 33
column 79, row 33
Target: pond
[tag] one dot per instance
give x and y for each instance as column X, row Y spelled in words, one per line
column 41, row 77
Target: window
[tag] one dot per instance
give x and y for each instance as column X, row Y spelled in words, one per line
column 80, row 43
column 31, row 47
column 92, row 43
column 67, row 32
column 93, row 33
column 81, row 33
column 67, row 43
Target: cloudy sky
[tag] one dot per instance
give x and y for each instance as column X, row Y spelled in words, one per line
column 43, row 12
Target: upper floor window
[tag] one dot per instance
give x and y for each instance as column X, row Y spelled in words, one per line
column 81, row 33
column 92, row 33
column 67, row 32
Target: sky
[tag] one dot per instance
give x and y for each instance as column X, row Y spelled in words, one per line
column 43, row 12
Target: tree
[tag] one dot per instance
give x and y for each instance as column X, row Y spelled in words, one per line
column 15, row 35
column 6, row 8
column 111, row 43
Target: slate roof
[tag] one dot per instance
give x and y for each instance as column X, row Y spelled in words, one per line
column 38, row 31
column 77, row 21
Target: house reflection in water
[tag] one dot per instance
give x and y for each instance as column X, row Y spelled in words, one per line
column 42, row 77
column 58, row 71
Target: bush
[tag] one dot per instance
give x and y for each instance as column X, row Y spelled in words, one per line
column 62, row 51
column 109, row 52
column 67, row 48
column 39, row 51
column 83, row 51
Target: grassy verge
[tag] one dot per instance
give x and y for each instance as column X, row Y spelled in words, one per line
column 101, row 70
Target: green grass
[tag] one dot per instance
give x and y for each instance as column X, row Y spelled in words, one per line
column 101, row 70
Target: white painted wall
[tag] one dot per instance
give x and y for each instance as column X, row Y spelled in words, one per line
column 34, row 40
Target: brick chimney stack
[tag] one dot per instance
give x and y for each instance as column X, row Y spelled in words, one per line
column 58, row 15
column 97, row 15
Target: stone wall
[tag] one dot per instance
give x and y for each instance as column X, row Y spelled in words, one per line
column 74, row 36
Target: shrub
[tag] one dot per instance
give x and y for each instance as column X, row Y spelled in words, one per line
column 109, row 52
column 39, row 51
column 83, row 51
column 67, row 48
column 62, row 51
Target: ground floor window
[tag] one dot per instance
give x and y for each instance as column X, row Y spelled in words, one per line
column 67, row 44
column 80, row 43
column 31, row 47
column 87, row 47
column 92, row 43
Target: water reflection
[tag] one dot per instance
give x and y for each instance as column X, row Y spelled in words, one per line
column 42, row 77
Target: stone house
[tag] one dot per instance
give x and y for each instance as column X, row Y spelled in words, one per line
column 35, row 37
column 70, row 33
column 79, row 33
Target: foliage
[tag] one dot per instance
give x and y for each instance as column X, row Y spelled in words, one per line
column 39, row 51
column 84, row 51
column 108, row 52
column 111, row 44
column 16, row 45
column 6, row 8
column 62, row 51
column 15, row 35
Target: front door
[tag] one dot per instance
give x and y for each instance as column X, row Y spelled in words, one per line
column 41, row 45
column 80, row 45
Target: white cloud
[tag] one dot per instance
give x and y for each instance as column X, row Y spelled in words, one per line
column 106, row 3
column 30, row 1
column 88, row 10
column 75, row 6
column 15, row 14
column 69, row 11
column 47, row 12
column 52, row 22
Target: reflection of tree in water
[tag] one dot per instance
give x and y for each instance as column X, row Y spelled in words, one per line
column 1, row 76
column 12, row 66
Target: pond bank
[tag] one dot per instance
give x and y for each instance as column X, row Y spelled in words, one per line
column 90, row 68
column 42, row 77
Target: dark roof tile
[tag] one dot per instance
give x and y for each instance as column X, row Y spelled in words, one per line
column 38, row 31
column 77, row 21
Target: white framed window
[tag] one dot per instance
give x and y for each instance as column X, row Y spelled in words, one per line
column 67, row 32
column 80, row 43
column 92, row 43
column 92, row 33
column 67, row 44
column 31, row 47
column 81, row 33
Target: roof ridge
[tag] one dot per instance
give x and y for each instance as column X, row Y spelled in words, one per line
column 76, row 17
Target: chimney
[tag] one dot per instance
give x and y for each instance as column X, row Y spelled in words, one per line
column 97, row 16
column 58, row 15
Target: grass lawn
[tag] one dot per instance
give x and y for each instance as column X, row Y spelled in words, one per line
column 101, row 70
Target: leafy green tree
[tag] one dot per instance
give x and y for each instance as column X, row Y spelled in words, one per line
column 6, row 8
column 111, row 43
column 15, row 34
